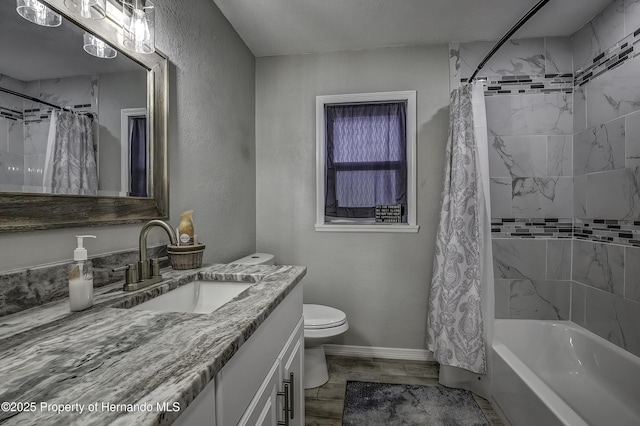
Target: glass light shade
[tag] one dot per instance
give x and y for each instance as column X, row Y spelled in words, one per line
column 38, row 13
column 88, row 9
column 139, row 26
column 98, row 48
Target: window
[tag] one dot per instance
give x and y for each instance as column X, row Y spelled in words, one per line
column 365, row 145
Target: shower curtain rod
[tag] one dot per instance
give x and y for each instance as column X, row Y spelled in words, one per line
column 91, row 115
column 507, row 36
column 30, row 98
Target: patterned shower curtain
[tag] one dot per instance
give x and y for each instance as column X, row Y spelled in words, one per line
column 455, row 319
column 71, row 155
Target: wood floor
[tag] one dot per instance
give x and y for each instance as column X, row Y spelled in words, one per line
column 324, row 405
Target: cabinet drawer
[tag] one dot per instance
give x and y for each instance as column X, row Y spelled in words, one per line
column 240, row 378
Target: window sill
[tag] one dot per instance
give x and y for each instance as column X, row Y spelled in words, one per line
column 402, row 228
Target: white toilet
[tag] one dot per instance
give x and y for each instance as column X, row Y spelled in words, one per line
column 321, row 324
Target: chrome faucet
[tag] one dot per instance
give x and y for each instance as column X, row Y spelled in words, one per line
column 146, row 272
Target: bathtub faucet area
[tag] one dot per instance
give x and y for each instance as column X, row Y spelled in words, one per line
column 147, row 271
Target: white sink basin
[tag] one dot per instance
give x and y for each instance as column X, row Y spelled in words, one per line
column 198, row 297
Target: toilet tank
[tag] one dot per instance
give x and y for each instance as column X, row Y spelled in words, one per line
column 257, row 259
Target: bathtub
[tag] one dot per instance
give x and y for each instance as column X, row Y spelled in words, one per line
column 558, row 373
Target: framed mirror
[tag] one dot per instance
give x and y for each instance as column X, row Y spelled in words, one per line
column 120, row 103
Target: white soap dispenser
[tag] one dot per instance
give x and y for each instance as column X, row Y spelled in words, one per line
column 81, row 278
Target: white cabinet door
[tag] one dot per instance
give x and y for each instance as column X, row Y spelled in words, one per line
column 292, row 364
column 280, row 398
column 264, row 408
column 247, row 370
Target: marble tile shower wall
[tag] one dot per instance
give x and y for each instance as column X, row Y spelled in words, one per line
column 565, row 174
column 532, row 278
column 605, row 293
column 530, row 128
column 11, row 134
column 529, row 107
column 24, row 125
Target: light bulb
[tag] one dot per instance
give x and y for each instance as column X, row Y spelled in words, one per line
column 85, row 11
column 41, row 11
column 139, row 29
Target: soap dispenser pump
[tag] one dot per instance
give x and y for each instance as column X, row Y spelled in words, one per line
column 81, row 278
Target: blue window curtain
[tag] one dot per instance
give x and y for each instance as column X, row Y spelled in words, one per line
column 138, row 156
column 366, row 158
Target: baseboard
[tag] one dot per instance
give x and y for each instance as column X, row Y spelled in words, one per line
column 377, row 352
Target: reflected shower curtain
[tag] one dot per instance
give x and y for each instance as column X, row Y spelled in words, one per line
column 70, row 164
column 461, row 304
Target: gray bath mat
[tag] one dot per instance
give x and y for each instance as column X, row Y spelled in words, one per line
column 370, row 404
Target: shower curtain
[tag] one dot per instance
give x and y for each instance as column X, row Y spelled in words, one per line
column 461, row 298
column 70, row 162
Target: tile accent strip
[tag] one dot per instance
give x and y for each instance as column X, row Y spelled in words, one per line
column 615, row 56
column 531, row 228
column 527, row 84
column 10, row 114
column 622, row 232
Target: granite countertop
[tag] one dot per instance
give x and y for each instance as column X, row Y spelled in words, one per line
column 121, row 363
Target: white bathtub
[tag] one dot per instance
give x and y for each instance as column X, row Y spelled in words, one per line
column 557, row 373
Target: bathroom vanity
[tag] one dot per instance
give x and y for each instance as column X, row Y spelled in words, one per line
column 262, row 383
column 241, row 364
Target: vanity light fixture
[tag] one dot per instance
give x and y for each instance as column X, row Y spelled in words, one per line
column 139, row 25
column 38, row 13
column 98, row 48
column 88, row 9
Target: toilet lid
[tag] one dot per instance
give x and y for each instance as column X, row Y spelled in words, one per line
column 320, row 316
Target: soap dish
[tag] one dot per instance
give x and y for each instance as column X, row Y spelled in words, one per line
column 185, row 257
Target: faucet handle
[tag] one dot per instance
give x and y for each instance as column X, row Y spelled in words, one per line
column 131, row 273
column 155, row 265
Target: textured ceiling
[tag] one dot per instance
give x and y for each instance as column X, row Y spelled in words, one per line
column 286, row 27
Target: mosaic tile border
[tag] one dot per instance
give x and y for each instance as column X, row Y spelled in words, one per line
column 10, row 114
column 527, row 84
column 615, row 56
column 531, row 228
column 624, row 50
column 37, row 115
column 621, row 232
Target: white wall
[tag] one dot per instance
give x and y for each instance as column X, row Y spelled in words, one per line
column 379, row 280
column 116, row 91
column 211, row 144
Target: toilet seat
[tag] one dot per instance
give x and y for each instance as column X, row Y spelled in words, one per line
column 320, row 317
